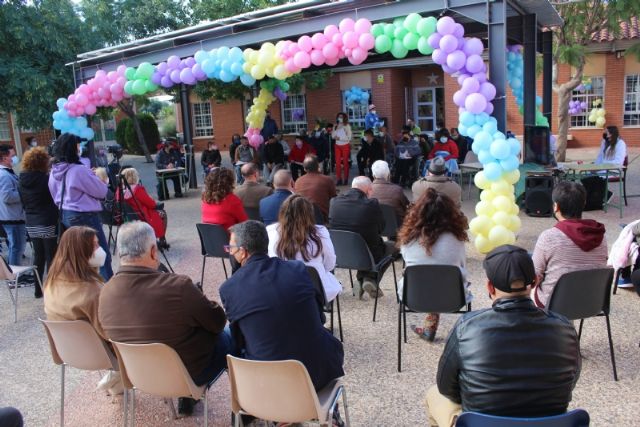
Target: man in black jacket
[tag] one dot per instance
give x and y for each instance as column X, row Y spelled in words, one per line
column 273, row 159
column 211, row 157
column 513, row 359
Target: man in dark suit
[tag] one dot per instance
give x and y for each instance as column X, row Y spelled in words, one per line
column 274, row 308
column 316, row 187
column 355, row 211
column 270, row 205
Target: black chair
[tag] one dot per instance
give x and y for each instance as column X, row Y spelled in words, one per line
column 253, row 213
column 430, row 289
column 318, row 215
column 582, row 294
column 575, row 418
column 212, row 240
column 327, row 307
column 352, row 253
column 390, row 221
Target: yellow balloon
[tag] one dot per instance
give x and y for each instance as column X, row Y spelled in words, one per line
column 501, row 187
column 485, row 209
column 501, row 218
column 279, row 72
column 480, row 225
column 601, row 112
column 512, row 177
column 268, row 47
column 481, row 181
column 515, row 209
column 514, row 223
column 246, row 54
column 483, row 245
column 600, row 122
column 487, row 195
column 501, row 235
column 265, row 58
column 502, row 204
column 253, row 58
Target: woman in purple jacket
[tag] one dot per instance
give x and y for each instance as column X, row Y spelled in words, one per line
column 83, row 191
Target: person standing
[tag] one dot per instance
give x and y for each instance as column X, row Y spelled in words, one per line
column 41, row 212
column 371, row 119
column 269, row 127
column 235, row 142
column 273, row 159
column 83, row 192
column 342, row 134
column 12, row 216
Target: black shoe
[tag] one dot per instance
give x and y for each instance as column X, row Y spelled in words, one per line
column 38, row 293
column 178, row 195
column 185, row 405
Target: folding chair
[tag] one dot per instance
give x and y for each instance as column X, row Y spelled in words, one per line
column 575, row 418
column 213, row 238
column 11, row 274
column 327, row 307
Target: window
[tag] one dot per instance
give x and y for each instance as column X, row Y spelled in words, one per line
column 356, row 112
column 588, row 96
column 202, row 122
column 632, row 101
column 5, row 132
column 294, row 113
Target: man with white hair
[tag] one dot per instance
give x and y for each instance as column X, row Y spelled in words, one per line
column 143, row 305
column 356, row 211
column 387, row 192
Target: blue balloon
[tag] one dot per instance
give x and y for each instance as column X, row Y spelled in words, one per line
column 462, row 129
column 500, row 149
column 514, row 146
column 236, row 68
column 467, row 119
column 499, row 135
column 201, row 56
column 492, row 171
column 236, row 55
column 365, row 96
column 247, row 80
column 208, row 66
column 473, row 130
column 222, row 52
column 483, row 139
column 60, row 102
column 482, row 118
column 485, row 157
column 510, row 163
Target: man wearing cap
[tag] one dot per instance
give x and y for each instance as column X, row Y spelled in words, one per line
column 438, row 180
column 371, row 119
column 511, row 360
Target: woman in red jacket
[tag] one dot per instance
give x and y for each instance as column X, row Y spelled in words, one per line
column 296, row 157
column 219, row 204
column 445, row 144
column 142, row 204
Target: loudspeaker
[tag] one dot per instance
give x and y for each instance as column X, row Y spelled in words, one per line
column 537, row 145
column 537, row 195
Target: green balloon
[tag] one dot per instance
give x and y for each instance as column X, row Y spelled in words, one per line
column 398, row 50
column 377, row 30
column 149, row 86
column 424, row 47
column 383, row 44
column 128, row 87
column 285, row 86
column 145, row 70
column 411, row 22
column 389, row 29
column 138, row 87
column 427, row 26
column 410, row 41
column 399, row 33
column 398, row 22
column 130, row 73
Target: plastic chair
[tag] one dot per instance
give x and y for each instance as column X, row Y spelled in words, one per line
column 623, row 179
column 158, row 370
column 10, row 274
column 253, row 213
column 582, row 294
column 212, row 240
column 429, row 289
column 352, row 253
column 327, row 307
column 575, row 418
column 281, row 391
column 390, row 221
column 75, row 343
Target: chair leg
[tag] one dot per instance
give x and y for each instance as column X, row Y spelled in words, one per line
column 404, row 321
column 347, row 421
column 351, row 279
column 331, row 321
column 624, row 187
column 206, row 409
column 115, row 240
column 224, row 267
column 400, row 338
column 615, row 280
column 169, row 403
column 125, row 404
column 62, row 395
column 133, row 407
column 395, row 280
column 375, row 304
column 15, row 306
column 339, row 317
column 580, row 329
column 204, row 260
column 613, row 357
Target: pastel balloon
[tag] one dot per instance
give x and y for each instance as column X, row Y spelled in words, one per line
column 366, row 41
column 500, row 235
column 473, row 46
column 484, row 209
column 317, row 58
column 439, row 56
column 510, row 163
column 346, row 24
column 448, row 43
column 474, row 63
column 475, row 103
column 459, row 97
column 359, row 55
column 305, row 43
column 488, row 90
column 398, row 50
column 318, row 40
column 426, row 26
column 470, row 85
column 410, row 41
column 492, row 171
column 411, row 22
column 330, row 30
column 301, row 60
column 362, row 25
column 446, row 25
column 481, row 225
column 350, row 39
column 481, row 181
column 330, row 51
column 482, row 244
column 424, row 47
column 512, row 176
column 500, row 149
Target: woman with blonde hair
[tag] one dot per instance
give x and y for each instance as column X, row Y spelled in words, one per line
column 297, row 237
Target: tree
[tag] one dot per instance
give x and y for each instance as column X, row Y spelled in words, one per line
column 128, row 107
column 582, row 19
column 218, row 9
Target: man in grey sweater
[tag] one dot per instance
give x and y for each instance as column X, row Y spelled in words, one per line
column 11, row 211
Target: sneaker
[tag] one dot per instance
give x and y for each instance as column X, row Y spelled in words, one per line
column 370, row 287
column 362, row 295
column 185, row 405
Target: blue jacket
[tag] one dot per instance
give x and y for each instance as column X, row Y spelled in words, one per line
column 273, row 305
column 371, row 121
column 10, row 204
column 270, row 205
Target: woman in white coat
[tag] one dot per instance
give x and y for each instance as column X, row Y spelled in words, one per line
column 296, row 237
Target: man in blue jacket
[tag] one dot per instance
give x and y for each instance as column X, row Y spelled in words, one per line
column 11, row 211
column 270, row 205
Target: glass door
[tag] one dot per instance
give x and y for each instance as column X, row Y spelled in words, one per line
column 425, row 108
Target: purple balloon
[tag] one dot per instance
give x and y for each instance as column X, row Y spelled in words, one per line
column 488, row 90
column 434, row 40
column 173, row 62
column 473, row 46
column 456, row 59
column 470, row 85
column 156, row 77
column 475, row 103
column 448, row 69
column 458, row 30
column 197, row 72
column 459, row 97
column 175, row 76
column 448, row 43
column 166, row 81
column 474, row 63
column 481, row 77
column 190, row 61
column 439, row 56
column 162, row 68
column 446, row 25
column 461, row 42
column 278, row 93
column 186, row 76
column 489, row 108
column 461, row 78
column 583, row 105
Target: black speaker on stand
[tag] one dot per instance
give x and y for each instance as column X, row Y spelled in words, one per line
column 537, row 195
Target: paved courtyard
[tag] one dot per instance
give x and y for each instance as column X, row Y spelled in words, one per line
column 378, row 395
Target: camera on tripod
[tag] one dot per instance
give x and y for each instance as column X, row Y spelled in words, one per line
column 116, row 151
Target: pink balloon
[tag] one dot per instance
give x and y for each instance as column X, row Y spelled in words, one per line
column 439, row 56
column 305, row 44
column 302, row 60
column 121, row 69
column 72, row 98
column 337, row 40
column 330, row 51
column 456, row 59
column 446, row 25
column 114, row 88
column 112, row 76
column 474, row 63
column 359, row 54
column 255, row 140
column 448, row 43
column 90, row 109
column 81, row 99
column 332, row 62
column 121, row 81
column 488, row 90
column 346, row 24
column 318, row 40
column 317, row 58
column 459, row 98
column 70, row 105
column 458, row 30
column 330, row 31
column 489, row 108
column 290, row 66
column 355, row 62
column 293, row 49
column 362, row 26
column 470, row 85
column 475, row 103
column 366, row 41
column 434, row 40
column 102, row 93
column 350, row 39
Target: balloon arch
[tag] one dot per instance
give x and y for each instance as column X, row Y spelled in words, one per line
column 497, row 213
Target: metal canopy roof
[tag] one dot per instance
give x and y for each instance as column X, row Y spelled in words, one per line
column 292, row 20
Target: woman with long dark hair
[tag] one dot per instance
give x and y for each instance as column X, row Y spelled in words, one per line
column 433, row 232
column 83, row 192
column 342, row 134
column 613, row 149
column 297, row 237
column 219, row 204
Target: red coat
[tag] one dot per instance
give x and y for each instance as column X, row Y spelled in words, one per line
column 449, row 146
column 147, row 206
column 298, row 154
column 226, row 213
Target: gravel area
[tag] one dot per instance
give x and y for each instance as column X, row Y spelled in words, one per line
column 378, row 394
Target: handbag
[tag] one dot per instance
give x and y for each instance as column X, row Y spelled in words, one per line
column 60, row 228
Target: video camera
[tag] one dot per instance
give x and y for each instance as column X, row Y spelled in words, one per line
column 115, row 150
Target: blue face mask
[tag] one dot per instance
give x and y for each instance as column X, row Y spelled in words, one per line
column 14, row 160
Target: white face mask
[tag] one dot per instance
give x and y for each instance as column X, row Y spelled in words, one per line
column 98, row 258
column 444, row 139
column 339, row 119
column 15, row 160
column 299, row 144
column 373, row 111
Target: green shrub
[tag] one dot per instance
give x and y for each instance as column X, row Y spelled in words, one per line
column 121, row 129
column 149, row 131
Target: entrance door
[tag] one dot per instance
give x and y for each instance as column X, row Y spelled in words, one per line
column 424, row 108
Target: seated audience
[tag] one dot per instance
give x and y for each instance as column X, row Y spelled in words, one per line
column 211, row 157
column 623, row 255
column 319, row 189
column 73, row 286
column 143, row 305
column 273, row 305
column 355, row 211
column 438, row 180
column 572, row 244
column 389, row 146
column 510, row 360
column 169, row 158
column 461, row 142
column 406, row 152
column 434, row 232
column 296, row 236
column 387, row 192
column 147, row 209
column 444, row 146
column 298, row 152
column 244, row 154
column 219, row 204
column 270, row 205
column 251, row 191
column 273, row 159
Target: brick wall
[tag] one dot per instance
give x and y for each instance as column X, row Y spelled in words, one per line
column 324, row 103
column 450, row 108
column 389, row 96
column 43, row 136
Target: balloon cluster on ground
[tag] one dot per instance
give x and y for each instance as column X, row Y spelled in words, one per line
column 577, row 107
column 515, row 76
column 356, row 95
column 597, row 114
column 404, row 35
column 103, row 90
column 66, row 123
column 256, row 116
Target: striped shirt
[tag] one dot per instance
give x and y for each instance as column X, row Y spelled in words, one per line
column 41, row 231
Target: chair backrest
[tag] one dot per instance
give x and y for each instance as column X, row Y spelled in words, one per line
column 155, row 369
column 318, row 215
column 583, row 293
column 317, row 282
column 5, row 270
column 253, row 213
column 470, row 157
column 352, row 251
column 433, row 288
column 130, row 214
column 575, row 418
column 390, row 220
column 213, row 237
column 278, row 391
column 77, row 344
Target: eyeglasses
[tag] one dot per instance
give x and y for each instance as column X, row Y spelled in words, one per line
column 227, row 248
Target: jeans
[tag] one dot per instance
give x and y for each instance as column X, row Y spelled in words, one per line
column 16, row 241
column 239, row 177
column 44, row 250
column 224, row 345
column 10, row 417
column 91, row 220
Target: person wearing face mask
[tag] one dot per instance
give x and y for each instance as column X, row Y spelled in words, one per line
column 73, row 286
column 77, row 192
column 461, row 142
column 273, row 305
column 388, row 145
column 12, row 217
column 371, row 119
column 342, row 134
column 235, row 142
column 32, row 142
column 296, row 158
column 142, row 304
column 444, row 146
column 406, row 153
column 320, row 141
column 211, row 157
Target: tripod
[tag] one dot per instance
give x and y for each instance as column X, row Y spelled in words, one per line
column 120, row 205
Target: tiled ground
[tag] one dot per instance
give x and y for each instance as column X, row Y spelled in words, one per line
column 378, row 394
